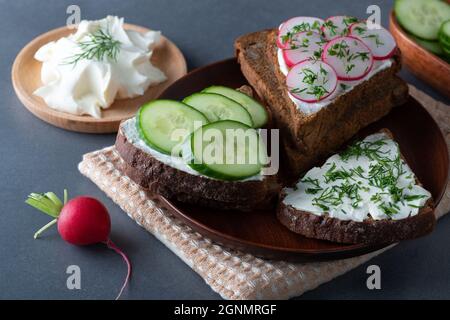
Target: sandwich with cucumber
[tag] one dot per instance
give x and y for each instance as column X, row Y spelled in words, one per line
column 323, row 80
column 206, row 150
column 367, row 193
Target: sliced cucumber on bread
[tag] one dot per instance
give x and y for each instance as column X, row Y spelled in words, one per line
column 163, row 124
column 227, row 150
column 218, row 107
column 257, row 112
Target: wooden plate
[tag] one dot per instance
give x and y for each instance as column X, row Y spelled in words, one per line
column 422, row 63
column 260, row 232
column 26, row 78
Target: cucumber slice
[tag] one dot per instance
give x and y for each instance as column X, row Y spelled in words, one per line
column 444, row 35
column 218, row 107
column 158, row 121
column 256, row 110
column 226, row 150
column 422, row 18
column 432, row 46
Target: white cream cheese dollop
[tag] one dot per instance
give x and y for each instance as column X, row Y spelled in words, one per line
column 90, row 85
column 317, row 190
column 342, row 86
column 129, row 130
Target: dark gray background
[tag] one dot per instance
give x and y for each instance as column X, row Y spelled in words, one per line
column 36, row 156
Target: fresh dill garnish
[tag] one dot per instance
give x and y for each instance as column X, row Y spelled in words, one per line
column 339, row 49
column 315, row 185
column 342, row 186
column 334, row 174
column 389, row 209
column 376, row 38
column 302, row 27
column 331, row 26
column 318, row 91
column 360, row 30
column 349, row 68
column 309, row 76
column 414, row 197
column 370, row 149
column 310, row 79
column 343, row 86
column 361, row 55
column 314, row 182
column 349, row 20
column 100, row 45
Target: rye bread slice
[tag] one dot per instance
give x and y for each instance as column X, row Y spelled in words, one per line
column 179, row 185
column 369, row 231
column 308, row 138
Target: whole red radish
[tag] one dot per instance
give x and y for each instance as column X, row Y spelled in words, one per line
column 84, row 220
column 81, row 221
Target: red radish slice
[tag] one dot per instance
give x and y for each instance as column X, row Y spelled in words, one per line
column 349, row 57
column 337, row 26
column 308, row 45
column 311, row 81
column 294, row 26
column 378, row 39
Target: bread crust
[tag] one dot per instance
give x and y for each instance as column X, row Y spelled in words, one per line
column 348, row 231
column 307, row 138
column 178, row 185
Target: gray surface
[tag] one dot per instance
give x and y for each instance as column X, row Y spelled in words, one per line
column 38, row 157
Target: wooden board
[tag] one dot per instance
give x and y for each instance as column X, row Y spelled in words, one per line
column 422, row 63
column 259, row 232
column 26, row 78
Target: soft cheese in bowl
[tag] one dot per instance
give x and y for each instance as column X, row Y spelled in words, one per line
column 86, row 71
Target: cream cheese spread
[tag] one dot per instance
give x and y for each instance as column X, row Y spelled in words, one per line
column 86, row 71
column 367, row 180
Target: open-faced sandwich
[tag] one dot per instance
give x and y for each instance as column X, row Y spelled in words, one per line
column 323, row 81
column 365, row 194
column 205, row 150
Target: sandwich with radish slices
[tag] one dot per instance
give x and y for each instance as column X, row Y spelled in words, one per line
column 323, row 81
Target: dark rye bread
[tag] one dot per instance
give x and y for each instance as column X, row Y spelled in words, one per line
column 369, row 231
column 178, row 185
column 307, row 138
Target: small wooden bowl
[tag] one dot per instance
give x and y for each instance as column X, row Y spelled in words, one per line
column 422, row 63
column 26, row 78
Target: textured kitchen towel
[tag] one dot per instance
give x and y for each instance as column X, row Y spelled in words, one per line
column 233, row 274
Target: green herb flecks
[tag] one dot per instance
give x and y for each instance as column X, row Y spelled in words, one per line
column 376, row 38
column 315, row 185
column 331, row 26
column 302, row 27
column 100, row 45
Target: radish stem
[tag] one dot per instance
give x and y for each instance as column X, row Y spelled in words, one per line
column 48, row 225
column 112, row 246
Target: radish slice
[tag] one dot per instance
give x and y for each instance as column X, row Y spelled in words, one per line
column 349, row 56
column 294, row 26
column 311, row 81
column 308, row 45
column 378, row 39
column 337, row 26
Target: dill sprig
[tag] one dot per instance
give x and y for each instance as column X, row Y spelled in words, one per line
column 302, row 27
column 100, row 45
